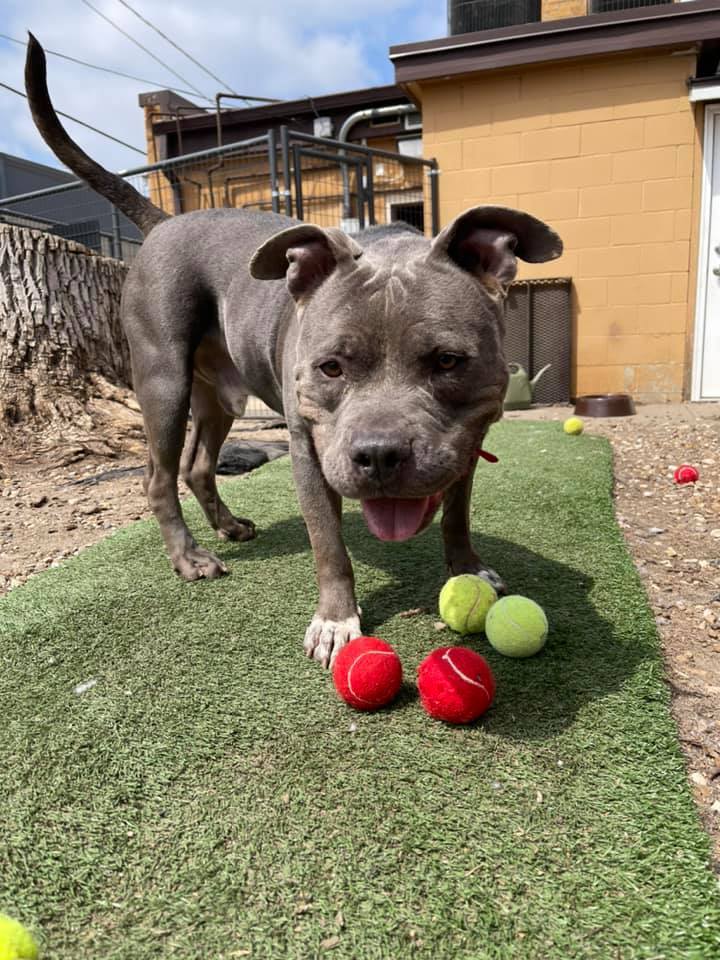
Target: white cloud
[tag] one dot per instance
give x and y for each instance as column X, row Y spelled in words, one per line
column 266, row 47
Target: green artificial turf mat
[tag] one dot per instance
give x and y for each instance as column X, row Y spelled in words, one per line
column 209, row 797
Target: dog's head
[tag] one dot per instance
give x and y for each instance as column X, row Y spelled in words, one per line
column 400, row 367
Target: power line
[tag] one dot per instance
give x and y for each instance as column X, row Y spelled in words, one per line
column 118, row 73
column 145, row 49
column 81, row 122
column 172, row 43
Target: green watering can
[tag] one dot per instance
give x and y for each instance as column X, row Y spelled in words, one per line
column 520, row 389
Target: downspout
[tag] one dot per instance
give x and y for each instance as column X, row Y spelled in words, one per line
column 369, row 114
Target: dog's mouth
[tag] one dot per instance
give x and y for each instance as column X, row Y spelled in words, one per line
column 398, row 518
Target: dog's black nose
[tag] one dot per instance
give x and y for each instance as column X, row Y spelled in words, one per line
column 379, row 457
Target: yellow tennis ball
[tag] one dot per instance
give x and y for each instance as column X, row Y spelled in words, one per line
column 517, row 627
column 465, row 601
column 16, row 942
column 573, row 426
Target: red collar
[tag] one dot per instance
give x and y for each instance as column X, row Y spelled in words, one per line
column 490, row 457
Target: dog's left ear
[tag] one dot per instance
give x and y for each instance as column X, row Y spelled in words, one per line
column 488, row 240
column 306, row 255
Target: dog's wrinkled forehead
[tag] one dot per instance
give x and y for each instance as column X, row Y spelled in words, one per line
column 402, row 301
column 468, row 265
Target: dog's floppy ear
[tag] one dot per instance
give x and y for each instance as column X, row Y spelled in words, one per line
column 488, row 240
column 306, row 255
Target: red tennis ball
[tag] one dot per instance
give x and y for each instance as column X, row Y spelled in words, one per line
column 367, row 673
column 456, row 684
column 686, row 474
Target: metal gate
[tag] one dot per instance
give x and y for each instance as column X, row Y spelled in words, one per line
column 333, row 183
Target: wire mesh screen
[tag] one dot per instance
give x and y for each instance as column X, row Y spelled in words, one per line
column 239, row 175
column 467, row 16
column 237, row 178
column 538, row 331
column 607, row 6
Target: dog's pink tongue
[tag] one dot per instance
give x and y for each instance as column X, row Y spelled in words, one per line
column 392, row 518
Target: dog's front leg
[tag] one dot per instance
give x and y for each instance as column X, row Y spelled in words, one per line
column 459, row 553
column 336, row 619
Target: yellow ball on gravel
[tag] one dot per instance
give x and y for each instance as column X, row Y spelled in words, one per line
column 573, row 426
column 517, row 627
column 16, row 942
column 465, row 601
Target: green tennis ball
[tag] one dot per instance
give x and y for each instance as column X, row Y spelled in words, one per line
column 16, row 942
column 465, row 601
column 573, row 426
column 516, row 627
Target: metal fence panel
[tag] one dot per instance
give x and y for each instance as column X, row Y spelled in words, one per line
column 204, row 180
column 332, row 183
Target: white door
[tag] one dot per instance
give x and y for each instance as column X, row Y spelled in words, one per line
column 706, row 366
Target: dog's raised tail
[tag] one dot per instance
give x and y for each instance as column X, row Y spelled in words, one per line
column 134, row 205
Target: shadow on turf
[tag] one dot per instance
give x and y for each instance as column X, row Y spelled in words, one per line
column 537, row 698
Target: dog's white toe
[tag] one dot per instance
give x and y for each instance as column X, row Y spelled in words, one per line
column 493, row 578
column 324, row 639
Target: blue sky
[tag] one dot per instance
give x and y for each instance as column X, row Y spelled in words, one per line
column 270, row 48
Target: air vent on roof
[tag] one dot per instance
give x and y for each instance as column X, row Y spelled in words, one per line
column 384, row 121
column 468, row 16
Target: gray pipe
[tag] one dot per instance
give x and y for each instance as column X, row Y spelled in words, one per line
column 368, row 114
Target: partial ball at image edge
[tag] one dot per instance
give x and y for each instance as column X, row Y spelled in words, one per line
column 16, row 941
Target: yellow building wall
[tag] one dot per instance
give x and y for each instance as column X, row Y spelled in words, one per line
column 607, row 152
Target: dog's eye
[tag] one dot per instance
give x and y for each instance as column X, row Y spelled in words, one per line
column 331, row 368
column 447, row 361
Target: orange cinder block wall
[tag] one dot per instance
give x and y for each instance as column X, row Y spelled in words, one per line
column 606, row 151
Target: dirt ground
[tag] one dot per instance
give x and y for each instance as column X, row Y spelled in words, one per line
column 56, row 500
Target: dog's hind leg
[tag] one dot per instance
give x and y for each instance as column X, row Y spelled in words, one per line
column 210, row 425
column 163, row 392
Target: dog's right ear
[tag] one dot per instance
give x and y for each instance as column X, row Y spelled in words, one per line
column 488, row 240
column 305, row 255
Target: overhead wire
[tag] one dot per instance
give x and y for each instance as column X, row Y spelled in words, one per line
column 117, row 73
column 144, row 49
column 82, row 123
column 172, row 43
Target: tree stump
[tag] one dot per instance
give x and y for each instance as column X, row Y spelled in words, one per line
column 60, row 331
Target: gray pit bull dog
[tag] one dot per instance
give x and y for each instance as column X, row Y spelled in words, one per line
column 384, row 353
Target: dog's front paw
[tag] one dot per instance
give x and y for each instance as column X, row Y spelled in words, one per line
column 324, row 639
column 237, row 528
column 493, row 578
column 195, row 563
column 473, row 564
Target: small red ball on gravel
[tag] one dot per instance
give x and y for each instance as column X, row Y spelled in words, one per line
column 686, row 473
